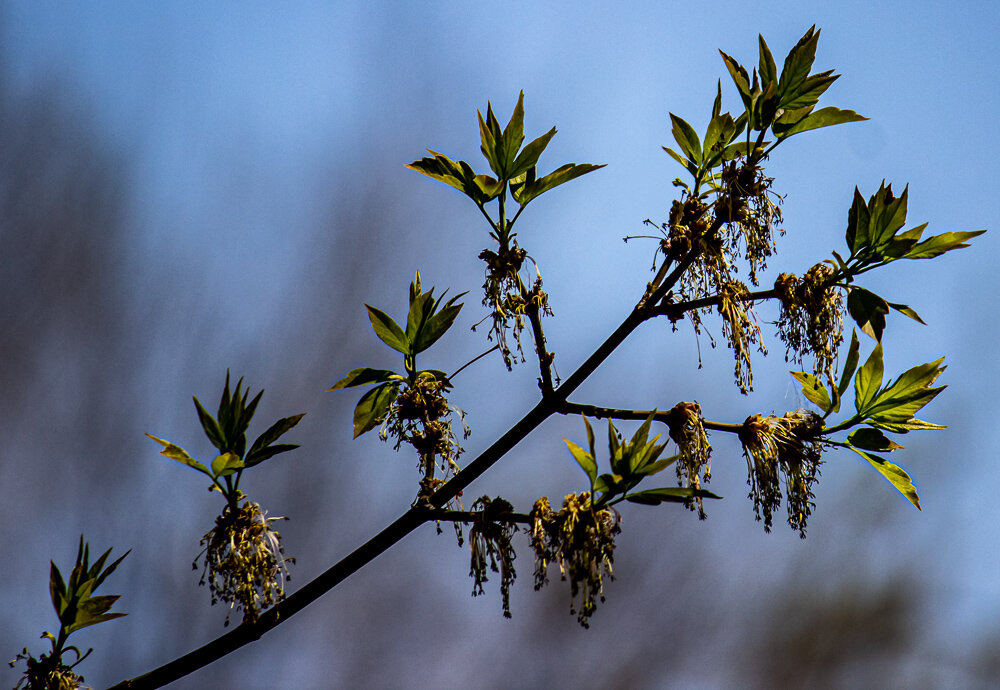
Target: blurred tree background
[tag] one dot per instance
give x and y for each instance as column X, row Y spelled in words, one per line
column 185, row 190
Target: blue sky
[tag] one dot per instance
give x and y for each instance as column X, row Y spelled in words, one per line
column 244, row 128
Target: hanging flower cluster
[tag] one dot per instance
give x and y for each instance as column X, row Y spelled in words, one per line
column 581, row 539
column 812, row 316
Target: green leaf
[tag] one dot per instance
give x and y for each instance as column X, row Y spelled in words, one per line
column 669, row 494
column 768, row 70
column 849, row 365
column 490, row 135
column 561, row 175
column 907, row 426
column 896, row 475
column 362, row 376
column 740, row 77
column 211, row 427
column 584, row 460
column 437, row 326
column 939, row 244
column 652, row 468
column 513, row 137
column 590, row 437
column 93, row 610
column 528, row 158
column 373, row 406
column 257, row 453
column 814, row 390
column 226, row 464
column 905, row 396
column 688, row 165
column 388, row 331
column 868, row 380
column 798, row 62
column 824, row 117
column 439, row 167
column 906, row 311
column 857, row 224
column 175, row 452
column 687, row 138
column 868, row 310
column 808, row 92
column 867, row 438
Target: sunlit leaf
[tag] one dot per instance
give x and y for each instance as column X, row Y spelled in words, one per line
column 388, row 331
column 584, row 460
column 669, row 494
column 226, row 464
column 896, row 475
column 363, row 376
column 868, row 380
column 814, row 390
column 868, row 438
column 373, row 406
column 686, row 137
column 868, row 310
column 175, row 452
column 939, row 244
column 824, row 117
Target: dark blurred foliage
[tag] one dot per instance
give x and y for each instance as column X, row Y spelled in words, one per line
column 106, row 335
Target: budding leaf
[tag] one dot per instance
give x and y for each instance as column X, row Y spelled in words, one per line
column 175, row 452
column 868, row 380
column 584, row 460
column 373, row 407
column 669, row 494
column 363, row 376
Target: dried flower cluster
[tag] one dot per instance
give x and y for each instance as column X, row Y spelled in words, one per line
column 776, row 446
column 750, row 216
column 508, row 300
column 422, row 417
column 245, row 565
column 582, row 540
column 812, row 316
column 740, row 328
column 687, row 429
column 48, row 672
column 489, row 541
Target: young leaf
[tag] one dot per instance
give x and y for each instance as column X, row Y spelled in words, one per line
column 513, row 137
column 210, row 425
column 939, row 244
column 226, row 464
column 175, row 452
column 849, row 365
column 868, row 380
column 824, row 117
column 857, row 224
column 907, row 311
column 905, row 396
column 814, row 390
column 687, row 137
column 363, row 376
column 388, row 331
column 867, row 438
column 767, row 69
column 528, row 158
column 258, row 451
column 868, row 310
column 798, row 62
column 896, row 475
column 373, row 406
column 436, row 326
column 584, row 460
column 669, row 494
column 559, row 176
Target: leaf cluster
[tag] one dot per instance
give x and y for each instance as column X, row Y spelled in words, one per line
column 889, row 407
column 77, row 607
column 426, row 321
column 227, row 432
column 874, row 240
column 631, row 461
column 514, row 168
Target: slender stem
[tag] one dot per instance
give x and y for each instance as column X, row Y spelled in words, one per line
column 473, row 361
column 471, row 516
column 659, row 416
column 680, row 308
